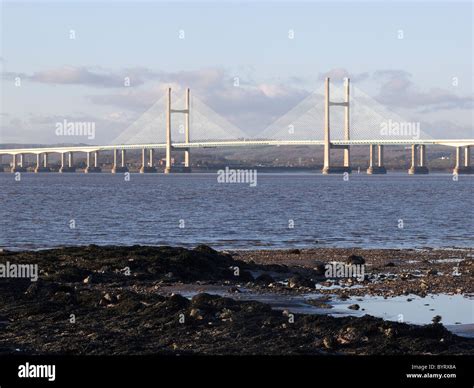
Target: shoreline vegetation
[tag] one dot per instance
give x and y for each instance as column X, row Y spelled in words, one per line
column 158, row 300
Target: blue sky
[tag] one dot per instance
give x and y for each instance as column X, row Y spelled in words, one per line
column 81, row 78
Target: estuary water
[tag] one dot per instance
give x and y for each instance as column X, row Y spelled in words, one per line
column 281, row 211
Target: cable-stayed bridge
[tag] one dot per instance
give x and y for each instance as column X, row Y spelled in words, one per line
column 187, row 124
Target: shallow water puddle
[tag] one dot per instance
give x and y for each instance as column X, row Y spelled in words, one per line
column 457, row 311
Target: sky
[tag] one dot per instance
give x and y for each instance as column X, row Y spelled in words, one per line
column 251, row 62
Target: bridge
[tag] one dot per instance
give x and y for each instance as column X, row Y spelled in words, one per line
column 301, row 117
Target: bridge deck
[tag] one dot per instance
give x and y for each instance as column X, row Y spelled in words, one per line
column 235, row 143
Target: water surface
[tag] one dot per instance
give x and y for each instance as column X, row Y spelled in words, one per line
column 187, row 209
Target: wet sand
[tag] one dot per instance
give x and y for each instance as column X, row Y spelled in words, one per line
column 163, row 300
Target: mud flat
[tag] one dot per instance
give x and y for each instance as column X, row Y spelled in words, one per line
column 165, row 300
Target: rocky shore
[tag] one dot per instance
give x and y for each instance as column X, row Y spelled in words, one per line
column 126, row 300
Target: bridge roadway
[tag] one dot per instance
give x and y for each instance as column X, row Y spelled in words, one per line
column 235, row 143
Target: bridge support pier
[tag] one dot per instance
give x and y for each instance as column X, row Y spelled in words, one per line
column 379, row 168
column 20, row 166
column 150, row 168
column 43, row 168
column 95, row 168
column 69, row 167
column 22, row 163
column 418, row 167
column 13, row 163
column 465, row 168
column 327, row 167
column 123, row 167
column 116, row 168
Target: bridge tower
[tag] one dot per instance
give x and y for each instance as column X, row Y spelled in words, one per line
column 169, row 146
column 328, row 168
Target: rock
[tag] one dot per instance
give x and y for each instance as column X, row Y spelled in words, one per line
column 209, row 303
column 347, row 336
column 354, row 259
column 299, row 281
column 432, row 272
column 205, row 249
column 104, row 302
column 234, row 290
column 178, row 301
column 265, row 278
column 328, row 342
column 109, row 299
column 390, row 264
column 319, row 267
column 196, row 314
column 69, row 274
column 203, row 299
column 294, row 251
column 389, row 332
column 88, row 280
column 354, row 307
column 225, row 314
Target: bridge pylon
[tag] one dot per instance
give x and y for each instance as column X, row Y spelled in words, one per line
column 328, row 168
column 169, row 145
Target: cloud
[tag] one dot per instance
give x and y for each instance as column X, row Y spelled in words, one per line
column 87, row 76
column 391, row 74
column 398, row 90
column 41, row 129
column 445, row 129
column 130, row 99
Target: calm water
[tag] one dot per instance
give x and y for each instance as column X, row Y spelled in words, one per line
column 187, row 209
column 456, row 310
